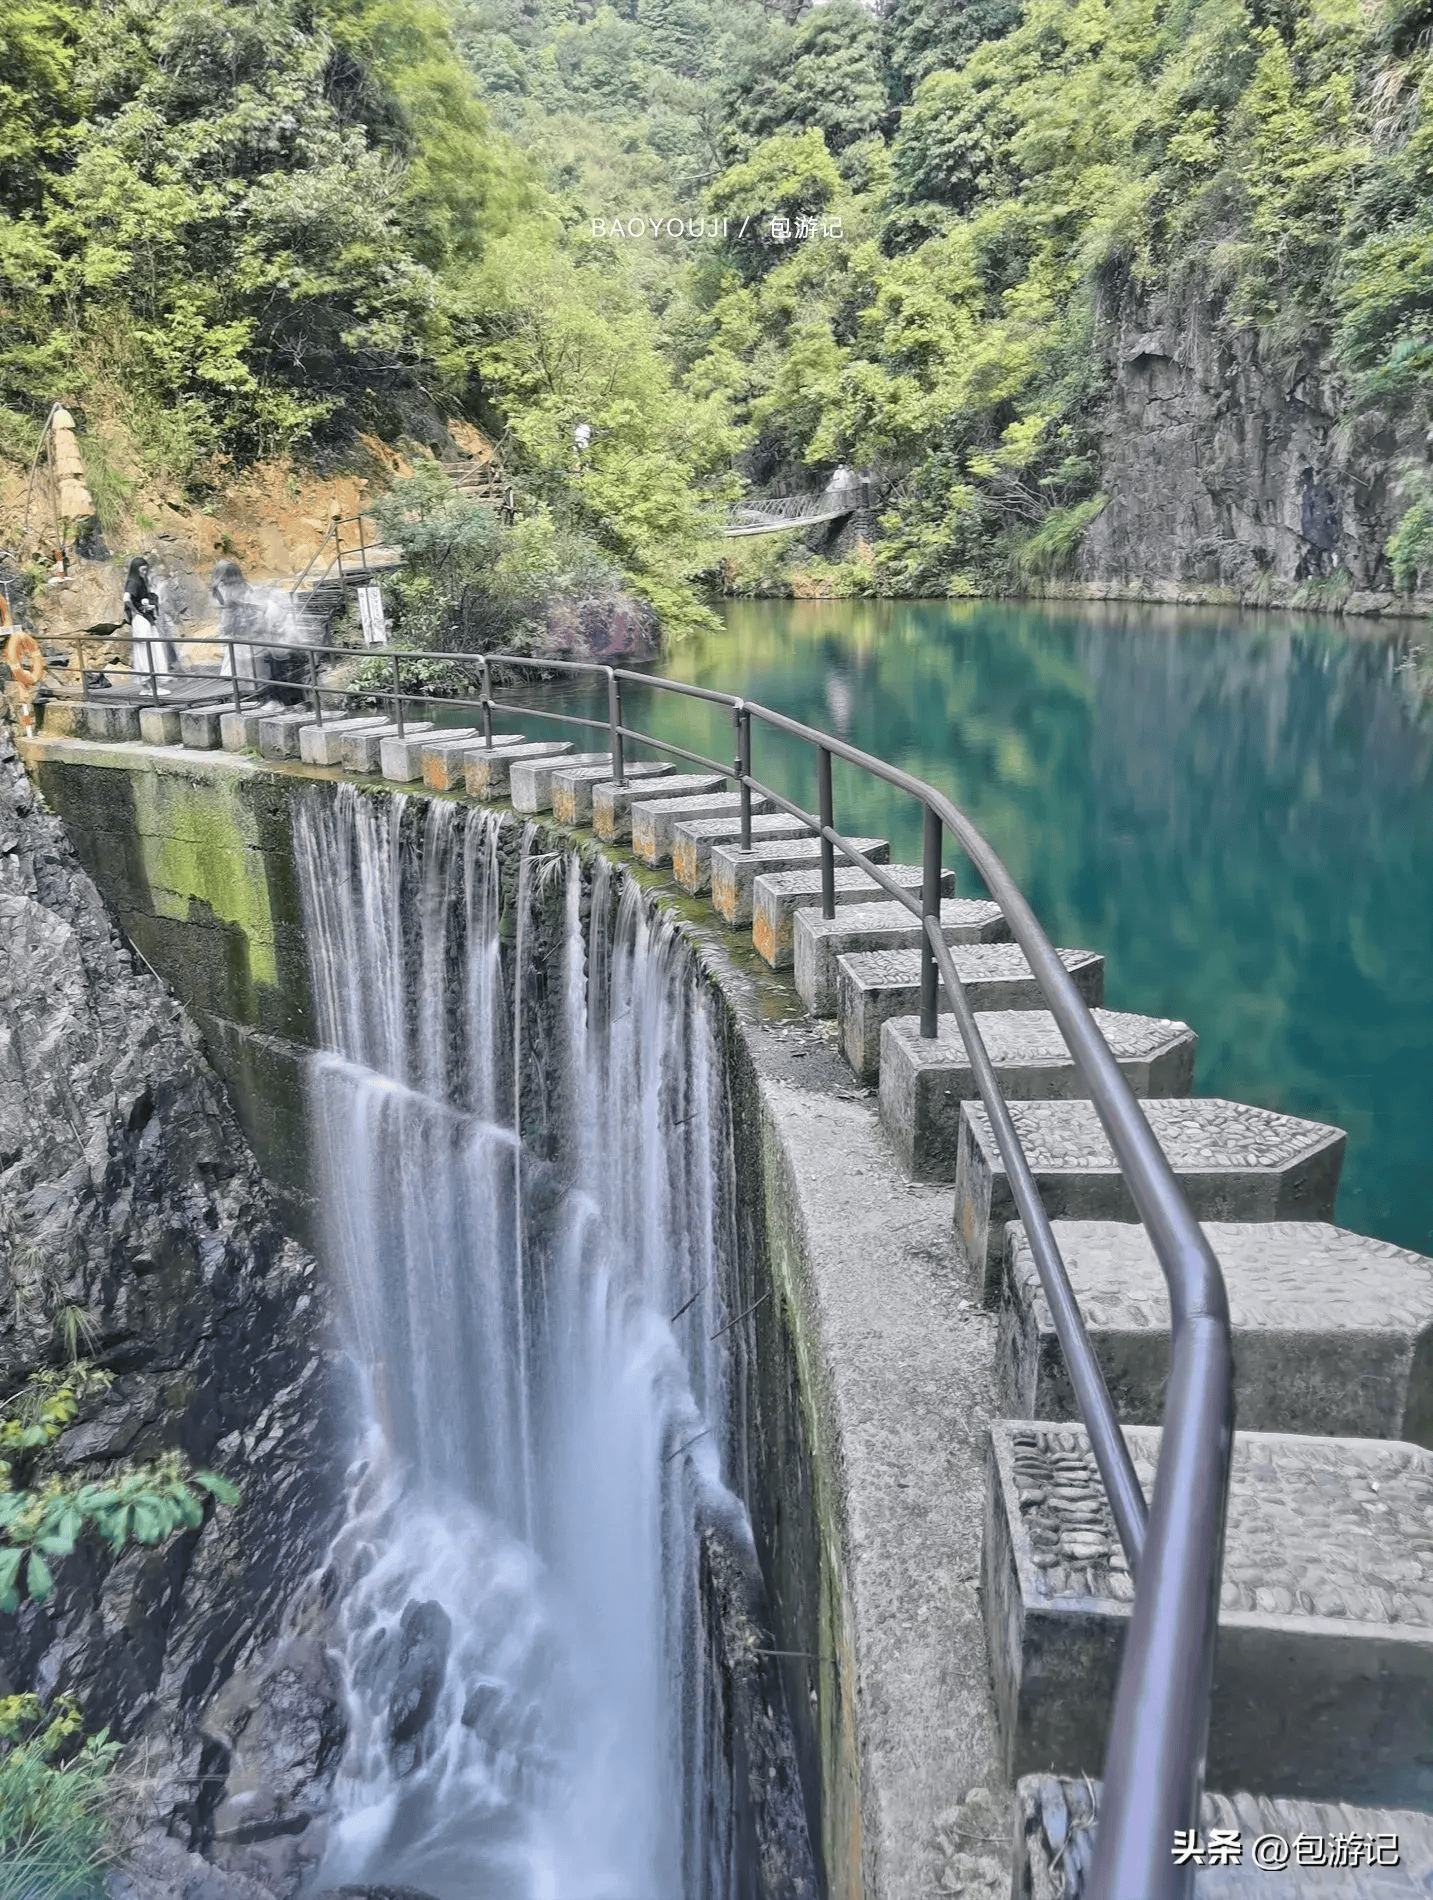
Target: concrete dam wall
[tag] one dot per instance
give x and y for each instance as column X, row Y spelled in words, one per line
column 855, row 1692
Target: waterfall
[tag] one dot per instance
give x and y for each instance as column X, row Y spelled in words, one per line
column 524, row 1154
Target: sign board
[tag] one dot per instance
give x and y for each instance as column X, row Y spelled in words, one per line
column 370, row 614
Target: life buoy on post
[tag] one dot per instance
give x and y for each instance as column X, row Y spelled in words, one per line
column 23, row 657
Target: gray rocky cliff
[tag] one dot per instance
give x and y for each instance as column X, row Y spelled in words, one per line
column 132, row 1214
column 1237, row 471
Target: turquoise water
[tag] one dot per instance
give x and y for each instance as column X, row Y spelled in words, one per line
column 1235, row 809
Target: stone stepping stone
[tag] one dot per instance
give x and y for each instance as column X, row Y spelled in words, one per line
column 199, row 725
column 654, row 821
column 239, row 731
column 734, row 872
column 363, row 749
column 1233, row 1162
column 444, row 762
column 115, row 723
column 1323, row 1676
column 924, row 1081
column 874, row 985
column 612, row 803
column 530, row 780
column 279, row 734
column 1333, row 1332
column 485, row 774
column 1055, row 1828
column 160, row 725
column 323, row 745
column 694, row 838
column 62, row 718
column 820, row 941
column 776, row 896
column 574, row 785
column 401, row 760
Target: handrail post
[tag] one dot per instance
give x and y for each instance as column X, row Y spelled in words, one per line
column 930, row 907
column 397, row 695
column 614, row 720
column 313, row 686
column 234, row 677
column 84, row 676
column 828, row 823
column 743, row 770
column 338, row 540
column 485, row 693
column 362, row 542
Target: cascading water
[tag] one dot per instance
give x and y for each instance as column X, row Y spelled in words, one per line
column 526, row 1173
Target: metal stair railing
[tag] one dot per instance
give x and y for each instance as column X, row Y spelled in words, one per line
column 1154, row 1765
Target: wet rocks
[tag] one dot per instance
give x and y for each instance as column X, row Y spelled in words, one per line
column 136, row 1229
column 424, row 1638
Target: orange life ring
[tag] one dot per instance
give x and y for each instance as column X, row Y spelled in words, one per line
column 25, row 660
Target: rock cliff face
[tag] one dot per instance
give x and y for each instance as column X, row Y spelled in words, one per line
column 131, row 1212
column 1238, row 474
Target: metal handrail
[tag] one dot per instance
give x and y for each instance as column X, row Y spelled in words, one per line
column 1155, row 1758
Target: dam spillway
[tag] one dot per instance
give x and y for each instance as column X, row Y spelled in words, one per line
column 524, row 1163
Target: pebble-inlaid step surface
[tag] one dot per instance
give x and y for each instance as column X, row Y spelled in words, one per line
column 924, row 1080
column 693, row 840
column 734, row 871
column 1333, row 1332
column 1233, row 1161
column 819, row 941
column 1319, row 1848
column 777, row 896
column 1323, row 1675
column 874, row 985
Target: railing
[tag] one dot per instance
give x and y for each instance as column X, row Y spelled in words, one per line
column 1155, row 1757
column 334, row 532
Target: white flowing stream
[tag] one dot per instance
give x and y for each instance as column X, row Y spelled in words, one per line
column 526, row 1173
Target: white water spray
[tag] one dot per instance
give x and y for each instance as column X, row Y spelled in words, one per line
column 524, row 1177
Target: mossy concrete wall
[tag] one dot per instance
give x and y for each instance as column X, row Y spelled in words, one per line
column 194, row 855
column 866, row 1381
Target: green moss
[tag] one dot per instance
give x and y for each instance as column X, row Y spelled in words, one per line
column 200, row 844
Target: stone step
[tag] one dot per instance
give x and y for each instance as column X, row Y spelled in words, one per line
column 443, row 763
column 530, row 780
column 924, row 1081
column 199, row 725
column 734, row 872
column 573, row 786
column 1333, row 1332
column 819, row 940
column 114, row 722
column 612, row 803
column 1323, row 1675
column 323, row 745
column 693, row 840
column 485, row 774
column 160, row 725
column 239, row 731
column 874, row 985
column 654, row 821
column 1233, row 1162
column 401, row 760
column 279, row 733
column 1323, row 1849
column 363, row 749
column 776, row 896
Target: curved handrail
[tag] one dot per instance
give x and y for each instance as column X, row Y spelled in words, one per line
column 1155, row 1758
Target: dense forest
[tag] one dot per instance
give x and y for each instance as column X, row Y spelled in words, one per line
column 743, row 243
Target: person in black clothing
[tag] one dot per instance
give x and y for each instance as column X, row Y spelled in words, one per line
column 150, row 652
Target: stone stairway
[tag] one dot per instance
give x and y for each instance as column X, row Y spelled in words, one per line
column 1324, row 1674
